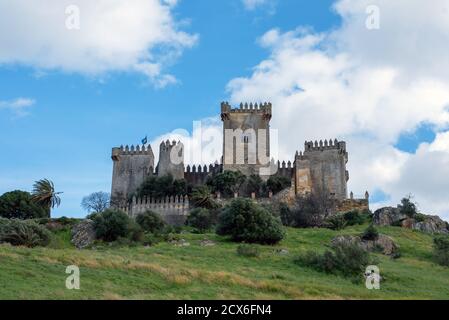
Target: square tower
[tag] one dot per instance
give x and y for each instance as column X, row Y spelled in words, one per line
column 246, row 137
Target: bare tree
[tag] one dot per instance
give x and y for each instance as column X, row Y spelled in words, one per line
column 96, row 202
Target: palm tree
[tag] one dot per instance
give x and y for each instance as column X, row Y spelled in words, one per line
column 45, row 195
column 202, row 198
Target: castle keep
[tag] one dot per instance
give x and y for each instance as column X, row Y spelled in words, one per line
column 320, row 167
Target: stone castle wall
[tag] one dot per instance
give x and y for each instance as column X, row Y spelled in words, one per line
column 131, row 166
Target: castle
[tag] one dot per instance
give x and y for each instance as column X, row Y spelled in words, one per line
column 321, row 166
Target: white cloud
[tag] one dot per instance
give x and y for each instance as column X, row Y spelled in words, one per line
column 18, row 106
column 253, row 4
column 114, row 36
column 367, row 87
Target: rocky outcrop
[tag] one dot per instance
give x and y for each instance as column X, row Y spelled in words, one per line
column 383, row 243
column 388, row 216
column 431, row 224
column 83, row 234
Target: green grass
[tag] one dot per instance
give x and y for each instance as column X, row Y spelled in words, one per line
column 195, row 272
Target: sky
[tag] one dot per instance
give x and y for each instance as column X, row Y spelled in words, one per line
column 79, row 77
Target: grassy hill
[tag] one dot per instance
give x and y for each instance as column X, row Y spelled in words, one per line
column 165, row 271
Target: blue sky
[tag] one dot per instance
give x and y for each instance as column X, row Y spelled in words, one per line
column 75, row 116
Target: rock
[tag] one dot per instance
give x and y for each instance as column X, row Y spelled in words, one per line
column 431, row 224
column 282, row 251
column 207, row 243
column 388, row 216
column 83, row 234
column 383, row 242
column 346, row 240
column 180, row 243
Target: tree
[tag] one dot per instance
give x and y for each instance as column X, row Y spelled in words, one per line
column 278, row 183
column 227, row 182
column 45, row 195
column 19, row 205
column 160, row 187
column 254, row 183
column 201, row 197
column 96, row 202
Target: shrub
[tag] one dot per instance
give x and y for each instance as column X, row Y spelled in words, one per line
column 441, row 250
column 200, row 219
column 355, row 217
column 135, row 232
column 150, row 222
column 23, row 233
column 286, row 215
column 111, row 225
column 344, row 259
column 246, row 221
column 278, row 183
column 336, row 222
column 408, row 207
column 19, row 205
column 370, row 233
column 149, row 239
column 246, row 250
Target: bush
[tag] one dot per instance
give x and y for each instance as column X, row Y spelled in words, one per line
column 370, row 233
column 356, row 217
column 19, row 205
column 200, row 219
column 246, row 250
column 344, row 259
column 111, row 225
column 441, row 250
column 135, row 232
column 23, row 233
column 336, row 222
column 286, row 215
column 246, row 221
column 278, row 183
column 408, row 207
column 150, row 222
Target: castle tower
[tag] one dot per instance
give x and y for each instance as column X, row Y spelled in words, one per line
column 322, row 168
column 131, row 167
column 246, row 137
column 171, row 159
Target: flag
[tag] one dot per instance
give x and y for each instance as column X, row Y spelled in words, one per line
column 145, row 140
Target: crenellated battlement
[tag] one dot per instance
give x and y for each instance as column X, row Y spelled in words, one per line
column 131, row 150
column 212, row 168
column 168, row 146
column 264, row 108
column 324, row 145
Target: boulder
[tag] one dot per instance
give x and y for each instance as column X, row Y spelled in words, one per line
column 83, row 234
column 383, row 242
column 388, row 216
column 431, row 224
